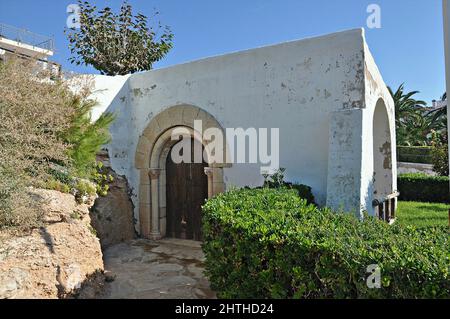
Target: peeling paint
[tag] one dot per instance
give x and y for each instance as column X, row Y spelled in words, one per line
column 137, row 92
column 386, row 151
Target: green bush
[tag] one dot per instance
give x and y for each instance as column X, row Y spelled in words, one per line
column 268, row 243
column 415, row 154
column 439, row 155
column 304, row 192
column 102, row 178
column 440, row 159
column 423, row 188
column 276, row 180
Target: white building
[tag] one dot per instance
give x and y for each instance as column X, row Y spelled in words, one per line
column 21, row 43
column 326, row 95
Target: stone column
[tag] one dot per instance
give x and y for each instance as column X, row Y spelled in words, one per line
column 155, row 233
column 209, row 173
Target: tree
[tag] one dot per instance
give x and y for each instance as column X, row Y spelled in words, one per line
column 117, row 44
column 440, row 114
column 411, row 124
column 85, row 137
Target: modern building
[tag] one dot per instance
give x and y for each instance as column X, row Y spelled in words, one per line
column 21, row 43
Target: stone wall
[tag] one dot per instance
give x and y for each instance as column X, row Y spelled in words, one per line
column 112, row 215
column 58, row 260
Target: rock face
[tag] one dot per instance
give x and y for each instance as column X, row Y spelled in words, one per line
column 61, row 259
column 112, row 215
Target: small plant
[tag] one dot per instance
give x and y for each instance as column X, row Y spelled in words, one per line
column 83, row 189
column 102, row 179
column 276, row 180
column 75, row 215
column 92, row 230
column 57, row 186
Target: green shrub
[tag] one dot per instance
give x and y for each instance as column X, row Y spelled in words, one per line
column 440, row 159
column 415, row 154
column 439, row 155
column 304, row 192
column 102, row 178
column 268, row 243
column 276, row 180
column 423, row 188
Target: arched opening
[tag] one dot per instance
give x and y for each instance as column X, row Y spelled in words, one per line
column 383, row 197
column 151, row 161
column 186, row 191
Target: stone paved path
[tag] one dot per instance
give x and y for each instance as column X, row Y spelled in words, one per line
column 169, row 268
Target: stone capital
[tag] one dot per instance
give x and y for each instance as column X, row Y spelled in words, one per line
column 154, row 173
column 208, row 171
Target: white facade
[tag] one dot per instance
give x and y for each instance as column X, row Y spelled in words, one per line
column 325, row 94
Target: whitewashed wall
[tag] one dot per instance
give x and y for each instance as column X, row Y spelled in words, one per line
column 314, row 90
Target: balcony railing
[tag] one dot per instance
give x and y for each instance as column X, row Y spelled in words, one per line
column 26, row 37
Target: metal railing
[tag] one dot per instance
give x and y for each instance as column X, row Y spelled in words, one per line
column 26, row 37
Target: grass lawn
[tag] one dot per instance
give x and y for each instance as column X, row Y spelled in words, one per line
column 422, row 214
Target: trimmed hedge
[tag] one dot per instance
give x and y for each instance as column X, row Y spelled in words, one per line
column 304, row 191
column 423, row 188
column 269, row 243
column 415, row 154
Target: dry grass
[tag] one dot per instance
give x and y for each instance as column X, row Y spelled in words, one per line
column 34, row 114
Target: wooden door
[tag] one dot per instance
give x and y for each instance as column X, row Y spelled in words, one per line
column 186, row 191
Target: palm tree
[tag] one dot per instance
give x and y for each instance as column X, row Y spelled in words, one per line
column 412, row 127
column 440, row 114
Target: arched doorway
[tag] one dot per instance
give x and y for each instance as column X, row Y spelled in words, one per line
column 151, row 159
column 384, row 200
column 186, row 191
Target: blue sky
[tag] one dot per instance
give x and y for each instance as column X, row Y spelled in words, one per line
column 408, row 48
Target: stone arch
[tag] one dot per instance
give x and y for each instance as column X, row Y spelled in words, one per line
column 150, row 159
column 382, row 151
column 383, row 197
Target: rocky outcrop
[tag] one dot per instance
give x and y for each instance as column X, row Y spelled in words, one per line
column 61, row 259
column 112, row 215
